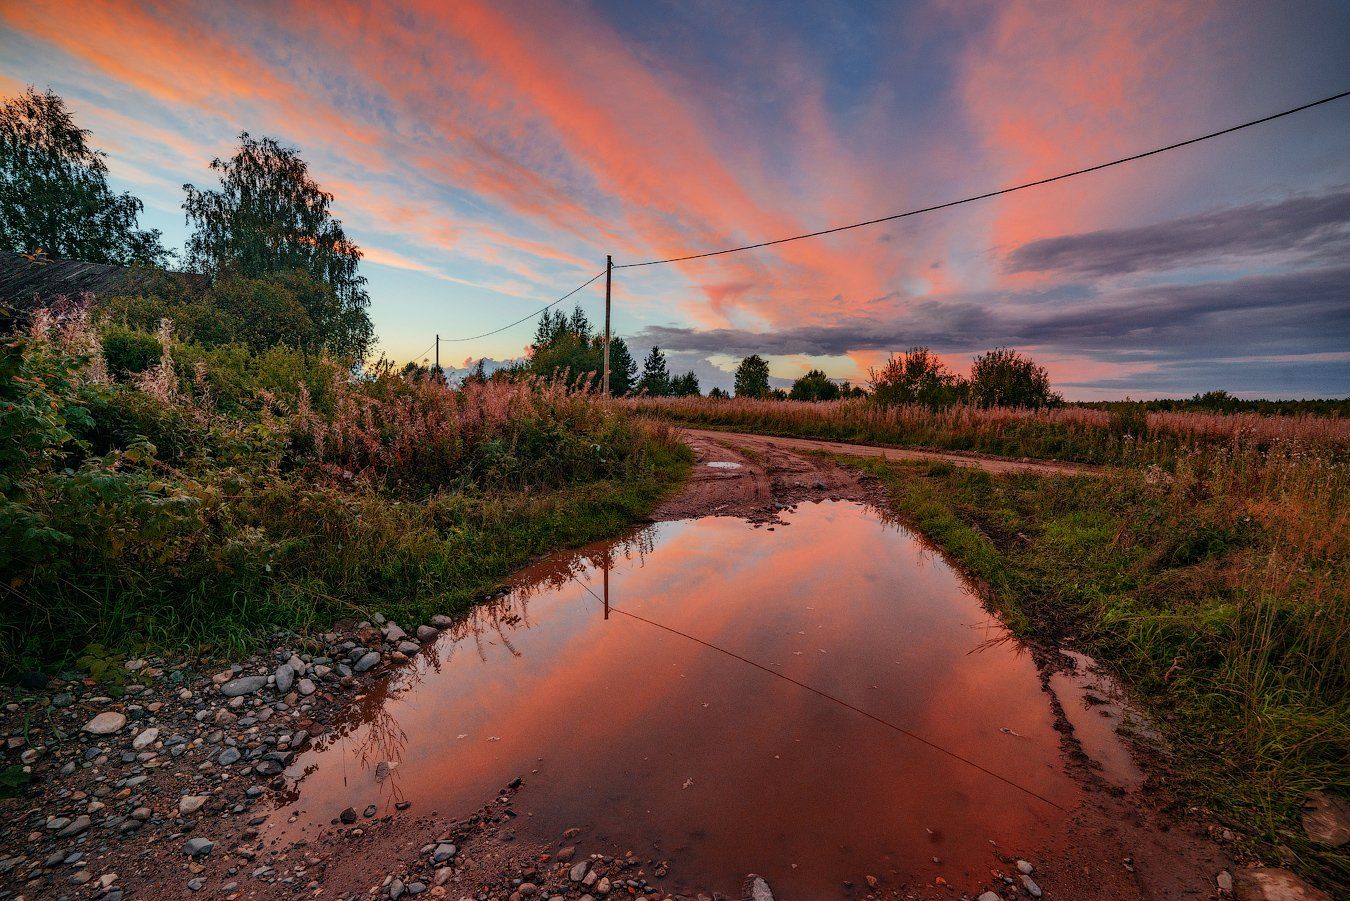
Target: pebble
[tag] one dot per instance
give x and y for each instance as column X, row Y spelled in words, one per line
column 444, row 851
column 198, row 847
column 285, row 676
column 758, row 889
column 145, row 739
column 305, row 687
column 579, row 869
column 427, row 633
column 368, row 660
column 1030, row 885
column 228, row 756
column 245, row 685
column 106, row 723
column 988, row 896
column 190, row 804
column 1025, row 868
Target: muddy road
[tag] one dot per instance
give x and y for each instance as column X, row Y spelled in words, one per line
column 773, row 677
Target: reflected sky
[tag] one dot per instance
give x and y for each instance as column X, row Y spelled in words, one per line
column 674, row 746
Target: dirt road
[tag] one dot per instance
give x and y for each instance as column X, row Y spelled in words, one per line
column 767, row 444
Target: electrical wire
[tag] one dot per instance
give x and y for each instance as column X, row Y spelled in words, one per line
column 826, row 696
column 1000, row 191
column 529, row 317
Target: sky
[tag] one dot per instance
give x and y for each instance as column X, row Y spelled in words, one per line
column 487, row 154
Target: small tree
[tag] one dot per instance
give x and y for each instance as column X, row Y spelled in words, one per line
column 622, row 366
column 655, row 375
column 815, row 385
column 685, row 385
column 54, row 193
column 268, row 217
column 752, row 377
column 718, row 394
column 1005, row 378
column 916, row 377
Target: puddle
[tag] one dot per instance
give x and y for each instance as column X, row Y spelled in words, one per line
column 815, row 704
column 723, row 464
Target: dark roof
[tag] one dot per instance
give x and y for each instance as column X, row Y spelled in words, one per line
column 26, row 284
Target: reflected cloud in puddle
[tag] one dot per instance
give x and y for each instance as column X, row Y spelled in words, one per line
column 814, row 704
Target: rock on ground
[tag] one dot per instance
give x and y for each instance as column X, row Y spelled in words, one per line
column 106, row 723
column 1326, row 819
column 1270, row 884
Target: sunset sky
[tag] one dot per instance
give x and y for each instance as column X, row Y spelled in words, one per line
column 487, row 155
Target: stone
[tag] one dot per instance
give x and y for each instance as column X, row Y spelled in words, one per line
column 228, row 756
column 106, row 723
column 305, row 687
column 393, row 633
column 245, row 685
column 190, row 804
column 145, row 739
column 1030, row 885
column 1326, row 819
column 285, row 678
column 396, row 889
column 76, row 826
column 1271, row 884
column 348, row 816
column 578, row 871
column 756, row 889
column 1025, row 868
column 444, row 851
column 988, row 896
column 566, row 854
column 408, row 647
column 441, row 621
column 198, row 847
column 427, row 633
column 368, row 660
column 195, row 884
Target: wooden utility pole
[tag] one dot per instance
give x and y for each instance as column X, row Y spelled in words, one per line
column 438, row 355
column 609, row 274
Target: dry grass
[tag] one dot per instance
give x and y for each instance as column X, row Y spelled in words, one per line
column 1063, row 433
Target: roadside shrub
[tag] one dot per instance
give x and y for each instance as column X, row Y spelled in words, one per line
column 1005, row 378
column 129, row 352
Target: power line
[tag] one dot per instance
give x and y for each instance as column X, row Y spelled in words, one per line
column 829, row 697
column 531, row 316
column 988, row 194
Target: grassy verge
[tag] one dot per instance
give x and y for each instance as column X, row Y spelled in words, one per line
column 333, row 555
column 1218, row 595
column 221, row 495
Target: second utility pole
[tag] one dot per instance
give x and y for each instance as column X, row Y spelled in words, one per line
column 609, row 273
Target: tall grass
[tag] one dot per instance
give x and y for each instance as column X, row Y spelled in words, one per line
column 151, row 511
column 1123, row 436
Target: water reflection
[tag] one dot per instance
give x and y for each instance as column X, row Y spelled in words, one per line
column 816, row 703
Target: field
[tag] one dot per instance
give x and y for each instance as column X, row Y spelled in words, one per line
column 1125, row 434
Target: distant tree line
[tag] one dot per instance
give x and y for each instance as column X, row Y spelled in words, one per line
column 278, row 267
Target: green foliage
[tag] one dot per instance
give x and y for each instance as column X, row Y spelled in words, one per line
column 684, row 385
column 271, row 489
column 269, row 218
column 655, row 375
column 128, row 351
column 54, row 193
column 13, row 780
column 917, row 377
column 752, row 377
column 567, row 347
column 1005, row 378
column 815, row 385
